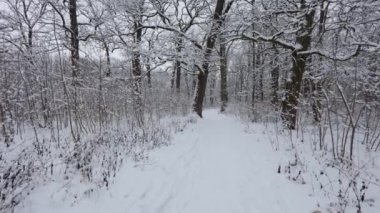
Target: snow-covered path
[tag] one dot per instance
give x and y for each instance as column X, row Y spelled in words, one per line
column 213, row 166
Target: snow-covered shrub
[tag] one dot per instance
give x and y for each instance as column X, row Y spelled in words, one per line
column 95, row 159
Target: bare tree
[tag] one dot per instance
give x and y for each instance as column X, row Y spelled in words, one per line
column 221, row 9
column 301, row 48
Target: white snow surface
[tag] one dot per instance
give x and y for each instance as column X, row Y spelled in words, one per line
column 213, row 166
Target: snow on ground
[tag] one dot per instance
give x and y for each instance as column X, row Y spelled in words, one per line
column 213, row 166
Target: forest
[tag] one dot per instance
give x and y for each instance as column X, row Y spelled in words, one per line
column 89, row 86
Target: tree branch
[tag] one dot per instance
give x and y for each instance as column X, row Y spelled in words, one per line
column 327, row 55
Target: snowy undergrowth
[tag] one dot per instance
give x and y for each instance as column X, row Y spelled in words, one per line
column 349, row 186
column 221, row 164
column 30, row 163
column 340, row 185
column 216, row 165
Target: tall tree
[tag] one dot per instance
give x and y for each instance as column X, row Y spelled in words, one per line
column 74, row 49
column 136, row 62
column 223, row 72
column 221, row 9
column 74, row 37
column 299, row 43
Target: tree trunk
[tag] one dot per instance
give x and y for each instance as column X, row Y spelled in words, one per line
column 108, row 70
column 241, row 85
column 74, row 50
column 136, row 71
column 253, row 92
column 200, row 90
column 187, row 85
column 212, row 89
column 316, row 83
column 148, row 74
column 172, row 80
column 218, row 20
column 293, row 87
column 275, row 75
column 74, row 40
column 178, row 64
column 261, row 76
column 316, row 104
column 223, row 74
column 6, row 122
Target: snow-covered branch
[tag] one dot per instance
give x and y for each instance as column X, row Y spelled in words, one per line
column 337, row 57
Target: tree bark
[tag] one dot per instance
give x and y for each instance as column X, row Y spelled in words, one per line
column 148, row 74
column 108, row 58
column 172, row 80
column 275, row 75
column 253, row 92
column 179, row 43
column 293, row 87
column 223, row 74
column 212, row 90
column 261, row 75
column 200, row 90
column 316, row 83
column 6, row 122
column 74, row 50
column 136, row 72
column 210, row 43
column 74, row 40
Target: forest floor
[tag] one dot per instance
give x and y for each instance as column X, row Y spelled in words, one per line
column 216, row 165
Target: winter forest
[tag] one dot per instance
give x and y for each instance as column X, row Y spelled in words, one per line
column 190, row 106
